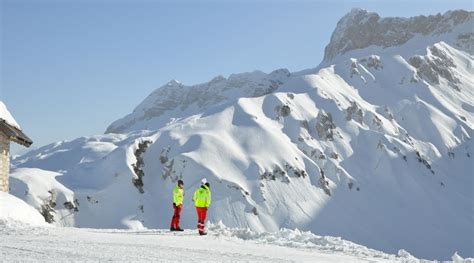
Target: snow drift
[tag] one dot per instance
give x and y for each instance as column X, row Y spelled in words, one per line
column 374, row 145
column 15, row 212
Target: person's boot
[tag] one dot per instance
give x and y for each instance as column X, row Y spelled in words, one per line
column 202, row 233
column 173, row 229
column 179, row 229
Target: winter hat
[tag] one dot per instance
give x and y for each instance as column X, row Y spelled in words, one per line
column 203, row 181
column 180, row 182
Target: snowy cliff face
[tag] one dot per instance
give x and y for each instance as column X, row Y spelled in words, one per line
column 360, row 29
column 374, row 145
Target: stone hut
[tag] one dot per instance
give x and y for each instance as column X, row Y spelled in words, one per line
column 10, row 131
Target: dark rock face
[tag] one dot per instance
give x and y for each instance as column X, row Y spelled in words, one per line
column 354, row 112
column 360, row 29
column 325, row 126
column 138, row 166
column 435, row 65
column 47, row 208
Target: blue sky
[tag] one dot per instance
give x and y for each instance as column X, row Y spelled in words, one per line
column 68, row 69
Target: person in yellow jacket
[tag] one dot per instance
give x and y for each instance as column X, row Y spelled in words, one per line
column 178, row 196
column 202, row 200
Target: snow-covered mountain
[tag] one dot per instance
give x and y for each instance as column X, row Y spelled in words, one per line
column 175, row 100
column 373, row 145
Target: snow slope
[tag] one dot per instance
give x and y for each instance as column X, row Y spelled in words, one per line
column 15, row 212
column 374, row 145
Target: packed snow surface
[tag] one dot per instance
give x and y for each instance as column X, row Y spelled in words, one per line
column 24, row 241
column 374, row 145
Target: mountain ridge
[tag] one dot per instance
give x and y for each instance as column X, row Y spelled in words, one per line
column 175, row 95
column 360, row 29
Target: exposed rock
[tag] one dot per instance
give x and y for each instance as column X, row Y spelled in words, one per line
column 360, row 29
column 283, row 174
column 373, row 61
column 350, row 185
column 138, row 166
column 325, row 126
column 305, row 125
column 466, row 41
column 285, row 110
column 435, row 65
column 354, row 68
column 168, row 169
column 92, row 200
column 354, row 113
column 164, row 155
column 282, row 111
column 388, row 113
column 254, row 211
column 423, row 160
column 240, row 188
column 47, row 208
column 377, row 122
column 73, row 206
column 324, row 183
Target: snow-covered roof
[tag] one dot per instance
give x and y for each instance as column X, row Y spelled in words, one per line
column 10, row 127
column 7, row 117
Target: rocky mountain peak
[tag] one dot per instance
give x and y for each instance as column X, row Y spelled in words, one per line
column 360, row 29
column 173, row 83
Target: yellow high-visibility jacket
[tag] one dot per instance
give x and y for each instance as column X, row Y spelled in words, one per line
column 202, row 196
column 178, row 195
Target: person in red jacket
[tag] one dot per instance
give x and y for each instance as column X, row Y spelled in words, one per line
column 178, row 196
